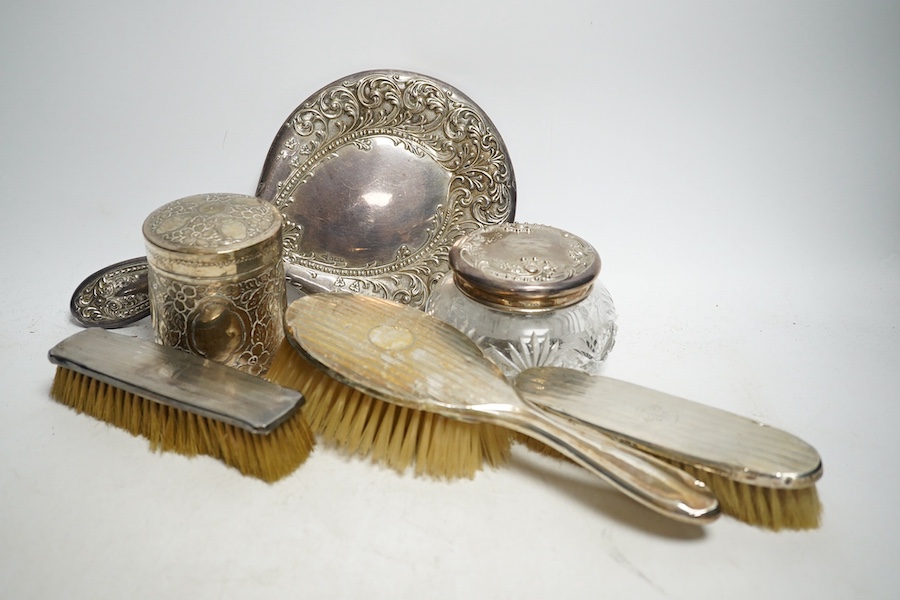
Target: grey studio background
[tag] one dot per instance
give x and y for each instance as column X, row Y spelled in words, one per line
column 734, row 163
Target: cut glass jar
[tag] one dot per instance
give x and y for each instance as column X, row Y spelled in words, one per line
column 528, row 295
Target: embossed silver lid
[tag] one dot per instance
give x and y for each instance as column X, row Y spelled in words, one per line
column 524, row 267
column 213, row 235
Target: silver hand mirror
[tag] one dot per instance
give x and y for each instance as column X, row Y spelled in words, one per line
column 377, row 174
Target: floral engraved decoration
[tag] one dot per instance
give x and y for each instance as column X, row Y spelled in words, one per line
column 428, row 119
column 571, row 257
column 113, row 297
column 245, row 328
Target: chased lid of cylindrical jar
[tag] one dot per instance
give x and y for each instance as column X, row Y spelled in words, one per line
column 213, row 235
column 524, row 267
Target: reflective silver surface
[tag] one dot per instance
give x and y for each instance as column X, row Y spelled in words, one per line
column 175, row 378
column 216, row 278
column 524, row 267
column 377, row 174
column 114, row 296
column 404, row 356
column 708, row 438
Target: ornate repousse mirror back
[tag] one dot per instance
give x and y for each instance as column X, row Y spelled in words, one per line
column 377, row 175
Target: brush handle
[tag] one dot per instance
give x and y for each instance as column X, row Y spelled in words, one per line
column 652, row 482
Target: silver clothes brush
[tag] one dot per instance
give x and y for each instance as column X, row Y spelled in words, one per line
column 760, row 474
column 183, row 403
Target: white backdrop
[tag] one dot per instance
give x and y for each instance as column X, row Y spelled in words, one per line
column 737, row 165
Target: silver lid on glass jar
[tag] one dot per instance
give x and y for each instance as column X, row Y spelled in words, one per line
column 522, row 267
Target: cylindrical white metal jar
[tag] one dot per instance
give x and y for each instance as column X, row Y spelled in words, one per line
column 216, row 278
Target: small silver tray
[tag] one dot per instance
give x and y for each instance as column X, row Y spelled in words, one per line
column 376, row 175
column 115, row 296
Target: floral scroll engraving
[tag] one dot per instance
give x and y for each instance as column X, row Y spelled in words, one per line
column 424, row 117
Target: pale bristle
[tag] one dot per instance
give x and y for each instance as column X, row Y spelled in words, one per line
column 774, row 509
column 392, row 435
column 770, row 508
column 268, row 457
column 539, row 447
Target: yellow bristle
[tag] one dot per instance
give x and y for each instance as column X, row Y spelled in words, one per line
column 428, row 430
column 406, row 452
column 384, row 433
column 774, row 509
column 539, row 447
column 757, row 505
column 373, row 410
column 353, row 416
column 268, row 457
column 390, row 435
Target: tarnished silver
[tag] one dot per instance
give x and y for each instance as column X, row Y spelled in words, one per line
column 402, row 355
column 217, row 279
column 113, row 297
column 178, row 379
column 714, row 440
column 524, row 267
column 376, row 175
